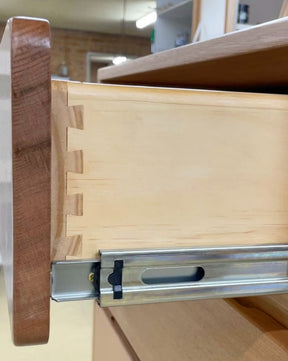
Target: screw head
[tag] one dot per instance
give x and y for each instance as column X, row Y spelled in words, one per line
column 91, row 277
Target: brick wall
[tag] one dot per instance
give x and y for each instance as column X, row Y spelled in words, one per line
column 71, row 46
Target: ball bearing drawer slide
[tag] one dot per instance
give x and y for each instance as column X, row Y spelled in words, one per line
column 166, row 275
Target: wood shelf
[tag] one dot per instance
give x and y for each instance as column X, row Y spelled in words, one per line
column 254, row 59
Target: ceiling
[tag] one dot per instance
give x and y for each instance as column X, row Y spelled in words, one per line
column 93, row 15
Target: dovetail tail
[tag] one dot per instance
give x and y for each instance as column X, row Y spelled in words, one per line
column 74, row 204
column 64, row 205
column 75, row 246
column 74, row 164
column 74, row 161
column 73, row 207
column 75, row 119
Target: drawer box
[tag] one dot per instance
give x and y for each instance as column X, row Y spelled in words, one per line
column 140, row 167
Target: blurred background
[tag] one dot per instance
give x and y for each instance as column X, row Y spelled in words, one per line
column 90, row 34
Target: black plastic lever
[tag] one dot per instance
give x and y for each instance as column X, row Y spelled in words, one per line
column 115, row 279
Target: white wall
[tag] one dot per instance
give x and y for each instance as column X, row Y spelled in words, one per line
column 213, row 14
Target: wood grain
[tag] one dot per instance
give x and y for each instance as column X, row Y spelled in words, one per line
column 106, row 333
column 250, row 60
column 276, row 306
column 31, row 157
column 284, row 9
column 196, row 16
column 178, row 168
column 199, row 330
column 254, row 59
column 231, row 14
column 63, row 162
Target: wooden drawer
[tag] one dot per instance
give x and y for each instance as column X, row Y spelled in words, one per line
column 151, row 168
column 118, row 167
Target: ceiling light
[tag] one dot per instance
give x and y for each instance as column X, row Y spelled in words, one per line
column 146, row 20
column 119, row 59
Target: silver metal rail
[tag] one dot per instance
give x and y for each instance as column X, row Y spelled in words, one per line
column 165, row 275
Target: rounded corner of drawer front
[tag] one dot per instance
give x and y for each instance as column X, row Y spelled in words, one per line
column 25, row 176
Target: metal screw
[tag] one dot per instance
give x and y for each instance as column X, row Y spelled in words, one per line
column 91, row 277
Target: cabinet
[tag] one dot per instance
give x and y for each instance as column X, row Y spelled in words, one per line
column 174, row 20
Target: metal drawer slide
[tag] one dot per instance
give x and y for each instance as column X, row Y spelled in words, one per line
column 149, row 276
